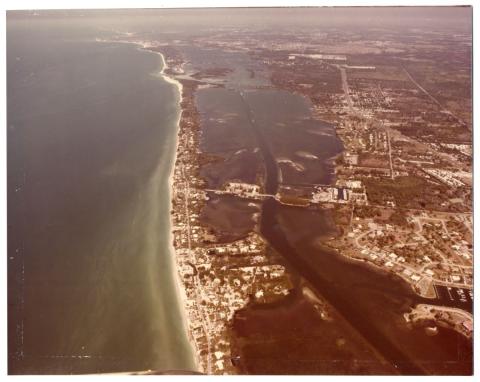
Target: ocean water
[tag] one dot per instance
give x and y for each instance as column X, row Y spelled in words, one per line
column 90, row 144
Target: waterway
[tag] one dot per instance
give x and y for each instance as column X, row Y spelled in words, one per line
column 372, row 301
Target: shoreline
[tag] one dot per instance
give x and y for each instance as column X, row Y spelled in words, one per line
column 454, row 319
column 180, row 290
column 192, row 313
column 202, row 329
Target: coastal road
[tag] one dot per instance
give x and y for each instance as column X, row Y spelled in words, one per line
column 252, row 196
column 206, row 324
column 465, row 314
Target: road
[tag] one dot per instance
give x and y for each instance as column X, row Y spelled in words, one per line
column 247, row 196
column 390, row 153
column 206, row 324
column 465, row 314
column 459, row 120
column 343, row 73
column 428, row 265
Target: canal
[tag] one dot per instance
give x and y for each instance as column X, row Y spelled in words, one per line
column 373, row 302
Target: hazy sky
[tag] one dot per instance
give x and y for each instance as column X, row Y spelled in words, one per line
column 435, row 18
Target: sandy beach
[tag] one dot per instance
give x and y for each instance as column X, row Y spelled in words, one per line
column 180, row 290
column 178, row 284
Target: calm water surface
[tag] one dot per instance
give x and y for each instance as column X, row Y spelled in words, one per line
column 91, row 141
column 372, row 302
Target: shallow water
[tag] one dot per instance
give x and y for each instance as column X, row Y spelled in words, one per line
column 372, row 302
column 91, row 142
